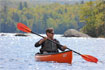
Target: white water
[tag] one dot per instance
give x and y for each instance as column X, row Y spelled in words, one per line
column 17, row 53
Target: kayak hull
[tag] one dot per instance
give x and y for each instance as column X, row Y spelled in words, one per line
column 63, row 57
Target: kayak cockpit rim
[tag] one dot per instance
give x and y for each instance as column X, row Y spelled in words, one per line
column 53, row 53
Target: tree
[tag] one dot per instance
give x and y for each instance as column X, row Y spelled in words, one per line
column 82, row 2
column 25, row 5
column 88, row 17
column 20, row 6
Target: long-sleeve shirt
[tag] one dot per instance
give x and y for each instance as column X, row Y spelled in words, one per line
column 49, row 46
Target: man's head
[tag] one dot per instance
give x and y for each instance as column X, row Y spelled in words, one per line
column 50, row 32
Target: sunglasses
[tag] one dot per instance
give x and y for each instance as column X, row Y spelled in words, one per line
column 51, row 33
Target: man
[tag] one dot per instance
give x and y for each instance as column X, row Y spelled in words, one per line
column 47, row 46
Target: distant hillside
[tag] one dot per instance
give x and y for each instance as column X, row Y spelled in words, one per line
column 43, row 1
column 15, row 3
column 11, row 3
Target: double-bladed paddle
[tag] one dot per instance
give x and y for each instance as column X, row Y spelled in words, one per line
column 24, row 28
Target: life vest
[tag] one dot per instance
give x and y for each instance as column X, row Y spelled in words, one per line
column 50, row 46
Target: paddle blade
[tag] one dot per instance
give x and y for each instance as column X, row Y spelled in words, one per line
column 90, row 58
column 23, row 28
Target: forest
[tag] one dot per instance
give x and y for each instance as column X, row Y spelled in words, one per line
column 87, row 17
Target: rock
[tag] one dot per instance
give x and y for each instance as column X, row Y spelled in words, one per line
column 20, row 34
column 74, row 33
column 3, row 35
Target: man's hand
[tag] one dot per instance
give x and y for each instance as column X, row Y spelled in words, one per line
column 64, row 47
column 42, row 40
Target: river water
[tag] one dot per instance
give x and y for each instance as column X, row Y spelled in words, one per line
column 17, row 53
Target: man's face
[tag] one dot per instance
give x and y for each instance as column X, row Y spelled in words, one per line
column 51, row 35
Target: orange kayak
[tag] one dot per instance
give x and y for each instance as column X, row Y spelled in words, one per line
column 63, row 57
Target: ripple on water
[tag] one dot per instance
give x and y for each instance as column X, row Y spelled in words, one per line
column 18, row 54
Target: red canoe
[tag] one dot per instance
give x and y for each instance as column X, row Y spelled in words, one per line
column 63, row 57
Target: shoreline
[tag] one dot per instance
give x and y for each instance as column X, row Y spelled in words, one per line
column 29, row 34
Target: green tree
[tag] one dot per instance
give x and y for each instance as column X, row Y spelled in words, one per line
column 88, row 17
column 20, row 6
column 25, row 5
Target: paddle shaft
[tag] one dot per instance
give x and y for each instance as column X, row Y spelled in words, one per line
column 54, row 42
column 74, row 51
column 37, row 34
